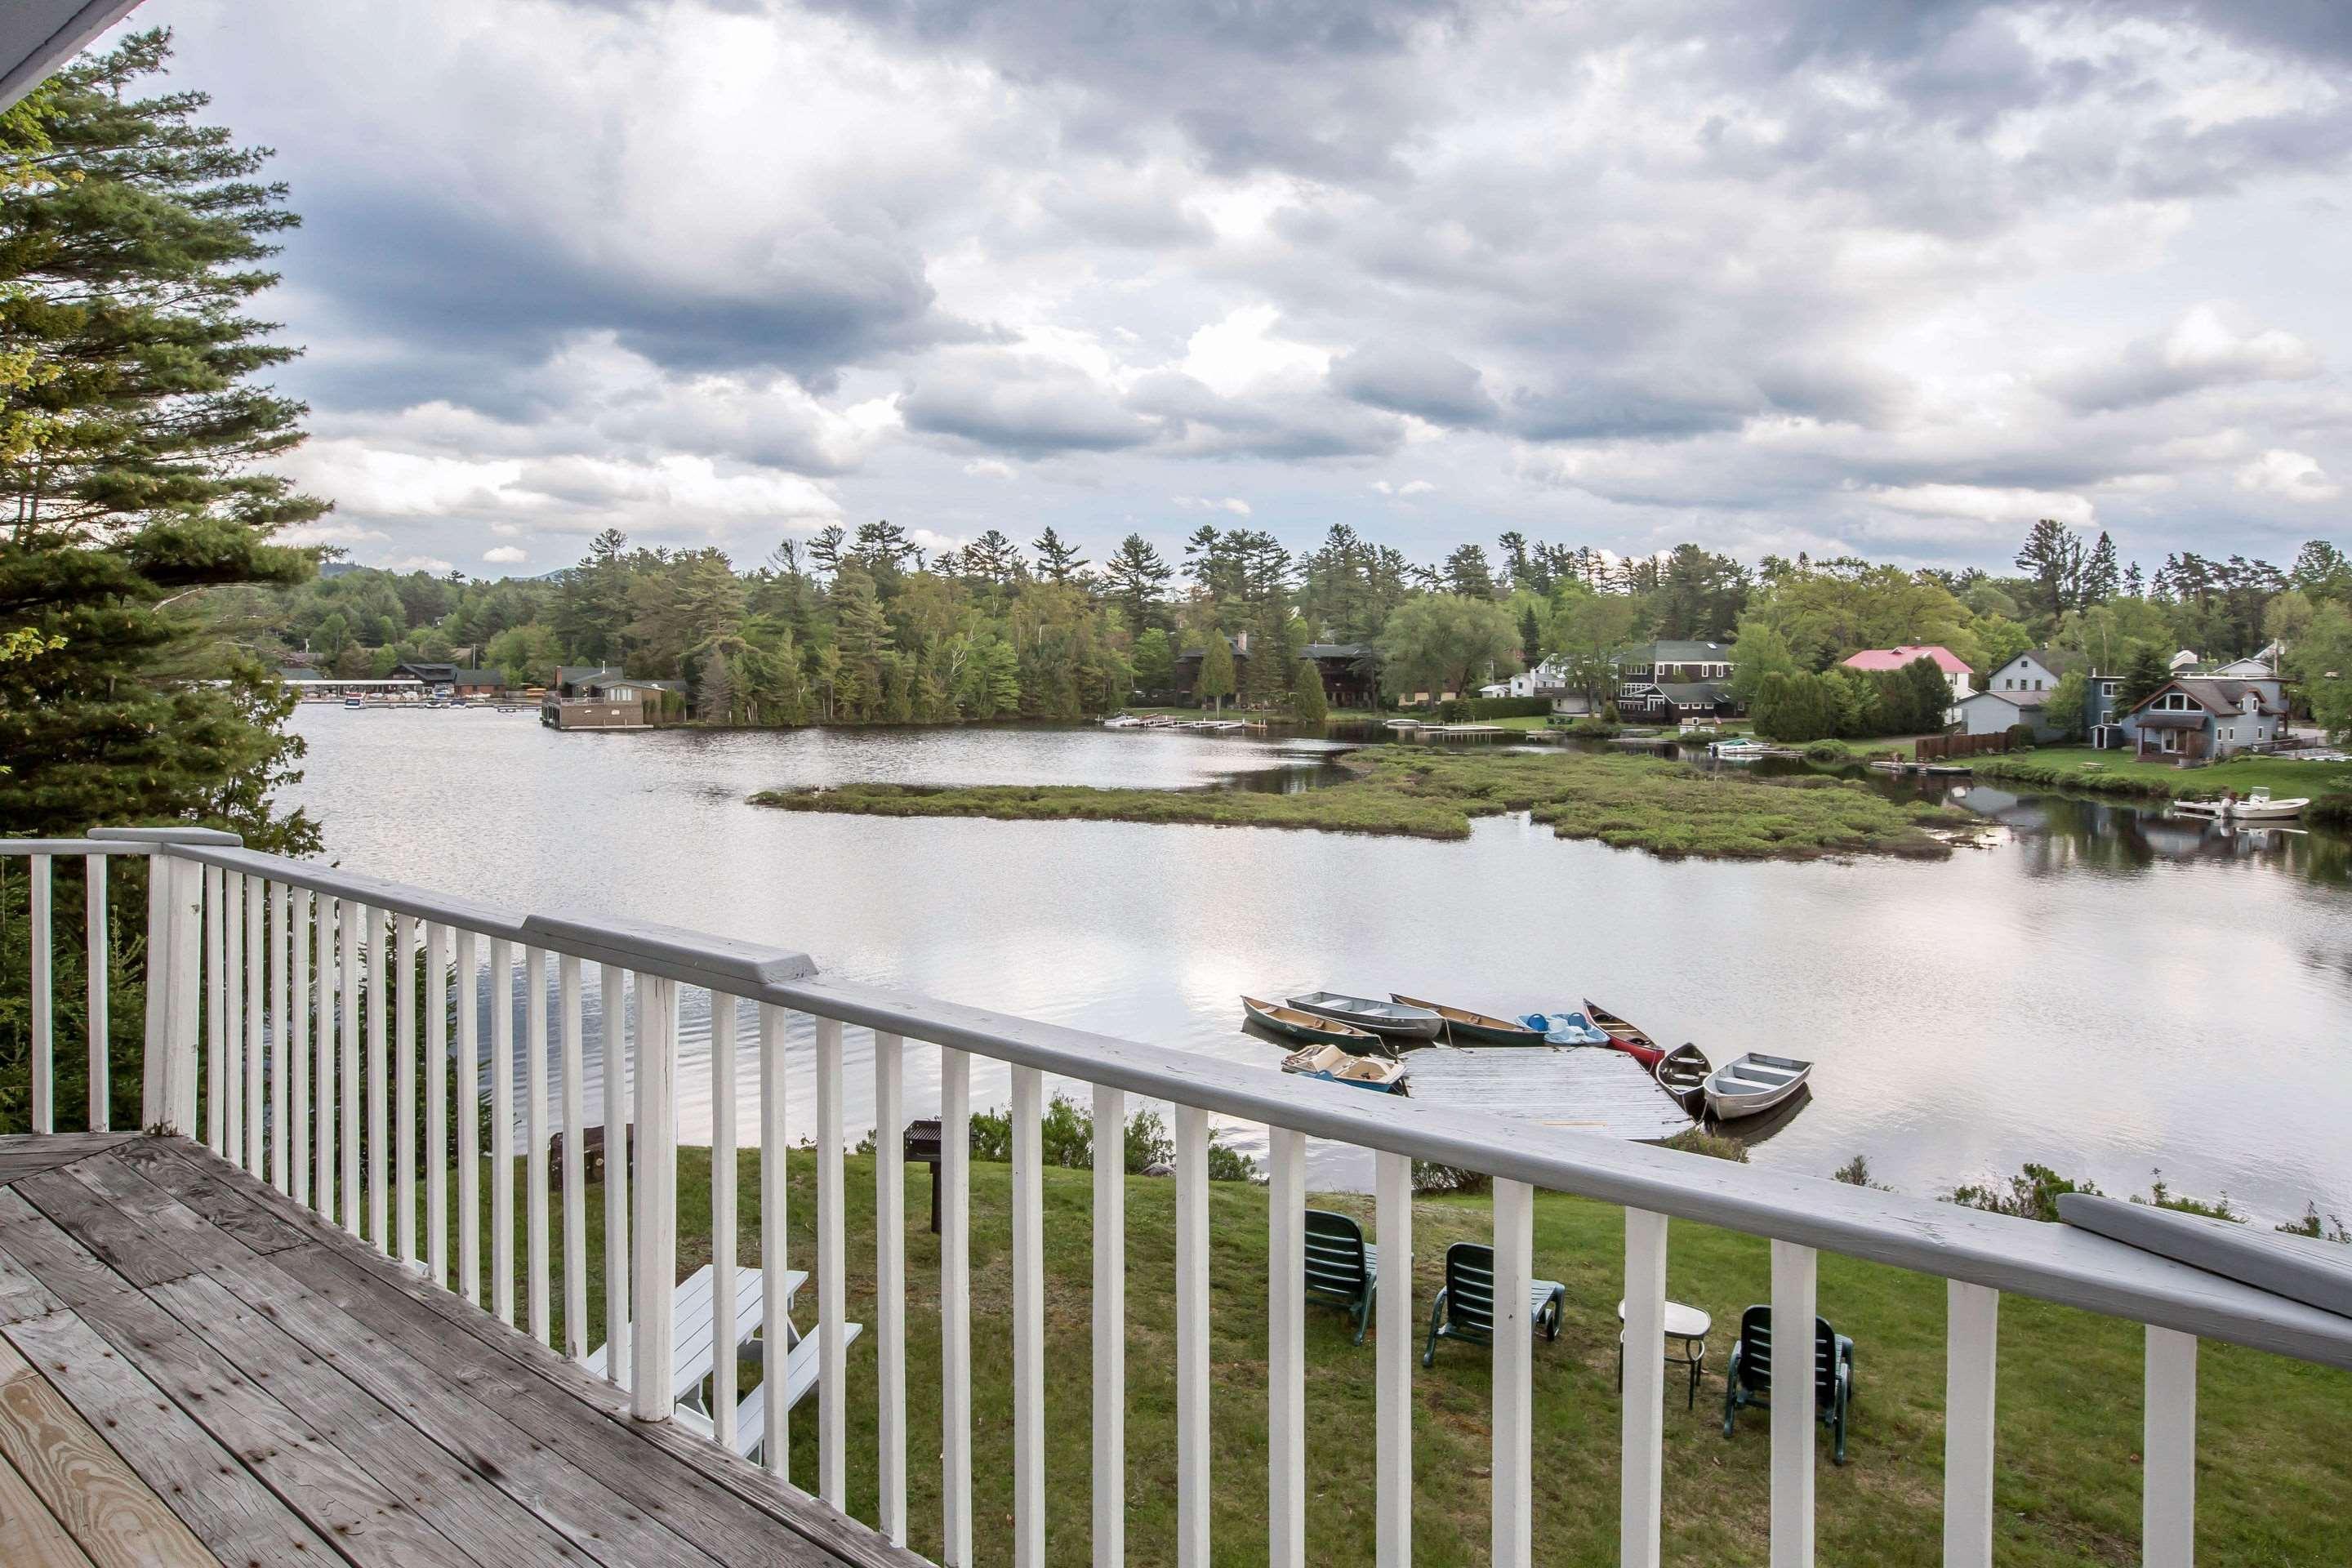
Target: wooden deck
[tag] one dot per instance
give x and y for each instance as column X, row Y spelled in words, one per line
column 193, row 1370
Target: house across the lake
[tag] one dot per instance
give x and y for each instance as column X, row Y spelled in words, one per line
column 604, row 696
column 2199, row 717
column 1958, row 672
column 1350, row 671
column 454, row 680
column 1675, row 681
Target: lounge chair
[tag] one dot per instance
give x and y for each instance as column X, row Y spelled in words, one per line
column 1748, row 1380
column 1341, row 1266
column 694, row 1357
column 1464, row 1309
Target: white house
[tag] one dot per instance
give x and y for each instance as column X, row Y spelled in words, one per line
column 2015, row 694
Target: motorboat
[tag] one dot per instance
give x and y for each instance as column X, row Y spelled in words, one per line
column 2260, row 806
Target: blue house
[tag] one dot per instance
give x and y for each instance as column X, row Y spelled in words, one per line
column 2199, row 717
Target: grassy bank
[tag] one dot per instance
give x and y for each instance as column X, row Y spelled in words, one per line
column 1629, row 801
column 2275, row 1434
column 2118, row 772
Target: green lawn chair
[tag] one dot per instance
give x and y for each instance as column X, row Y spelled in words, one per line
column 1464, row 1309
column 1749, row 1378
column 1341, row 1266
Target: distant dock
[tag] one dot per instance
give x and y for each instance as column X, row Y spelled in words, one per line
column 1588, row 1089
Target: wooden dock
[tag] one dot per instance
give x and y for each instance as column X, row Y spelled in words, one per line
column 194, row 1371
column 1591, row 1089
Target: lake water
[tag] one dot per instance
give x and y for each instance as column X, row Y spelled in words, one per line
column 2102, row 989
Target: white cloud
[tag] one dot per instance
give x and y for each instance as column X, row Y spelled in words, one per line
column 2293, row 475
column 1234, row 504
column 505, row 556
column 433, row 564
column 2003, row 510
column 1242, row 354
column 989, row 469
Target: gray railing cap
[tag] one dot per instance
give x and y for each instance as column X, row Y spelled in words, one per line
column 674, row 954
column 212, row 837
column 2300, row 1269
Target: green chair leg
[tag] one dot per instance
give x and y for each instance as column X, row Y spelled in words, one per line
column 1437, row 1317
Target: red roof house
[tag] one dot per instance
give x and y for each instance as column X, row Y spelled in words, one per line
column 1955, row 669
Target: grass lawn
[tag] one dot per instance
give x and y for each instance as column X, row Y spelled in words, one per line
column 1628, row 802
column 2117, row 773
column 2275, row 1451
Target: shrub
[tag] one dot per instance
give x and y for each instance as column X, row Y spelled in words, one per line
column 1855, row 1173
column 2329, row 811
column 1454, row 711
column 1715, row 1146
column 2310, row 1225
column 1431, row 1179
column 1591, row 729
column 2032, row 1193
column 1827, row 750
column 2161, row 1196
column 1065, row 1137
column 1509, row 707
column 1230, row 1164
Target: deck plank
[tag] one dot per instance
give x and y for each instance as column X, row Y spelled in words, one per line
column 733, row 1504
column 491, row 1526
column 68, row 1472
column 213, row 1192
column 121, row 1243
column 30, row 1536
column 335, row 1494
column 220, row 1502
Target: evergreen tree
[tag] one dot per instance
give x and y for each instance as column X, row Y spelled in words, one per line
column 2053, row 554
column 134, row 440
column 1155, row 661
column 1930, row 696
column 1307, row 703
column 1216, row 680
column 1137, row 578
column 861, row 639
column 1268, row 675
column 1057, row 561
column 2144, row 677
column 1531, row 637
column 2101, row 577
column 1467, row 573
column 715, row 691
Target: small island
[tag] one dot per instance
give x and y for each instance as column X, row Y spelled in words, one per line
column 1634, row 803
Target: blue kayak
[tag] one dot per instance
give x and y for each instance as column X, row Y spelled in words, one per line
column 1567, row 1028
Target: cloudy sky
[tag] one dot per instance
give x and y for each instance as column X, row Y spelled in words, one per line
column 1768, row 274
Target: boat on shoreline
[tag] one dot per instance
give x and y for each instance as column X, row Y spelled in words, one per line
column 1625, row 1036
column 1752, row 1084
column 1566, row 1029
column 1293, row 1024
column 1389, row 1020
column 1333, row 1064
column 1461, row 1024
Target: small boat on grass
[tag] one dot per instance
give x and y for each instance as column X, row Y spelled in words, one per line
column 1753, row 1084
column 1567, row 1029
column 1333, row 1064
column 1625, row 1036
column 1293, row 1024
column 1461, row 1024
column 1389, row 1020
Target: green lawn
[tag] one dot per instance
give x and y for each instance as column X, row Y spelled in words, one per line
column 2117, row 773
column 2275, row 1454
column 1627, row 802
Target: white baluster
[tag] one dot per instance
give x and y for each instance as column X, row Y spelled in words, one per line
column 324, row 1092
column 215, row 1015
column 232, row 1026
column 535, row 1242
column 1515, row 1243
column 256, row 996
column 1793, row 1410
column 1028, row 1321
column 1285, row 1447
column 722, row 1219
column 655, row 1282
column 354, row 917
column 2169, row 1469
column 832, row 1415
column 437, row 1103
column 1641, row 1420
column 404, row 1080
column 613, row 1000
column 955, row 1305
column 175, row 915
column 467, row 1099
column 1971, row 1340
column 1110, row 1329
column 502, row 1204
column 379, row 1087
column 774, row 1434
column 1192, row 1337
column 44, row 1117
column 281, row 1015
column 298, row 1049
column 575, row 1175
column 94, row 935
column 1392, row 1458
column 890, row 1279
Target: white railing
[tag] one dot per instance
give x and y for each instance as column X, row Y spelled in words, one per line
column 232, row 939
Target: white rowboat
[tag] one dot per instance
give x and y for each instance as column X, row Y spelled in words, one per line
column 1753, row 1084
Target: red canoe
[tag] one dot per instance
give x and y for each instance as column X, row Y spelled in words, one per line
column 1625, row 1036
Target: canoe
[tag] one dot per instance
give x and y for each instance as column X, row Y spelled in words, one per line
column 1752, row 1084
column 1389, row 1020
column 1461, row 1024
column 1299, row 1026
column 1625, row 1036
column 1333, row 1064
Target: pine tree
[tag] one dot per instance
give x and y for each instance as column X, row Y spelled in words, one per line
column 132, row 235
column 1307, row 703
column 1155, row 661
column 2101, row 577
column 2144, row 677
column 715, row 691
column 1530, row 637
column 1137, row 578
column 1057, row 561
